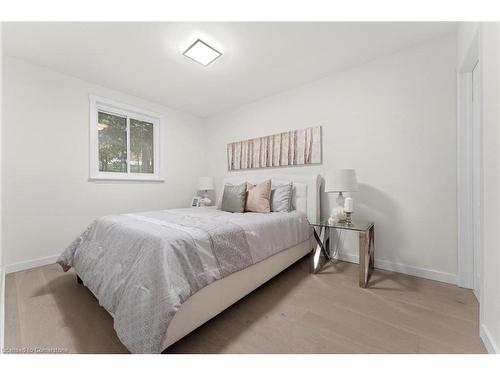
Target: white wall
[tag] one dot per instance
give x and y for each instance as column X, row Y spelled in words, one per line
column 490, row 291
column 47, row 198
column 393, row 120
column 465, row 34
column 2, row 289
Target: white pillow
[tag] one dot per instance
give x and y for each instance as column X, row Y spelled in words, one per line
column 299, row 197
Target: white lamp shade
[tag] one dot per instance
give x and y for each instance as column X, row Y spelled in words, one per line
column 205, row 183
column 341, row 180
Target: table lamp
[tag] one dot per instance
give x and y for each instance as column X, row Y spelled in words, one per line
column 341, row 181
column 205, row 184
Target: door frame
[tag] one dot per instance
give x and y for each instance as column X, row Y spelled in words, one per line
column 469, row 156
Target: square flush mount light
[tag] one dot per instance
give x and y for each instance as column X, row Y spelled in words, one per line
column 202, row 53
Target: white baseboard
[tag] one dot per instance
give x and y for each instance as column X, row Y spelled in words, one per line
column 2, row 309
column 408, row 270
column 21, row 266
column 488, row 341
column 381, row 264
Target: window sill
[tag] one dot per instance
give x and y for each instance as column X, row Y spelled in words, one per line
column 126, row 179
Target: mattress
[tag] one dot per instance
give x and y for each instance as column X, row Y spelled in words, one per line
column 143, row 266
column 267, row 233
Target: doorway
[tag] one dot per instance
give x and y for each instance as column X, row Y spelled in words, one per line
column 476, row 177
column 469, row 170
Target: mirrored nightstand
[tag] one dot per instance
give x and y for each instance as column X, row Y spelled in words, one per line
column 321, row 253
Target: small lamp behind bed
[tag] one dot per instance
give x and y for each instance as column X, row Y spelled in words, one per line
column 205, row 184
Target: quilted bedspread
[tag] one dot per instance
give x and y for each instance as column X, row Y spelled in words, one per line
column 143, row 266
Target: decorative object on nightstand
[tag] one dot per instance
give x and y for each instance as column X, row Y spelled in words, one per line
column 195, row 202
column 341, row 181
column 348, row 209
column 205, row 184
column 321, row 254
column 336, row 215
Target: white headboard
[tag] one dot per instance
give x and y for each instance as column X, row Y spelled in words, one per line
column 306, row 188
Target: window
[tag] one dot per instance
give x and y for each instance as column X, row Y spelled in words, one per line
column 124, row 141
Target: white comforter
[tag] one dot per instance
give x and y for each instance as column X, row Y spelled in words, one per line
column 143, row 266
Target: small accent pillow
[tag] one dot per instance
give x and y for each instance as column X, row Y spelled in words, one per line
column 259, row 197
column 281, row 198
column 233, row 198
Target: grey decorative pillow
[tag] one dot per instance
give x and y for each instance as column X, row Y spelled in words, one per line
column 281, row 198
column 234, row 197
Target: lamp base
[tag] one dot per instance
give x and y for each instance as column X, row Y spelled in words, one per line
column 340, row 199
column 205, row 200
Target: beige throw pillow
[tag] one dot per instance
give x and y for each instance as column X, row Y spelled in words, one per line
column 259, row 197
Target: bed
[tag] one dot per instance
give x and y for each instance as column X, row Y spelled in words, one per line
column 162, row 274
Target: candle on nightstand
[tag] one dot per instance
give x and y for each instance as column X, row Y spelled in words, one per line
column 348, row 205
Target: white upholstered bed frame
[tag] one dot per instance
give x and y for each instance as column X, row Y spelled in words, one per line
column 218, row 296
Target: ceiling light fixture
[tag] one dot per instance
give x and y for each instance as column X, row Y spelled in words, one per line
column 202, row 53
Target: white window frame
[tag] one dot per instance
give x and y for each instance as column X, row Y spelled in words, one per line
column 97, row 104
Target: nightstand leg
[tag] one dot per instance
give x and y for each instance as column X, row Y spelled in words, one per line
column 372, row 248
column 319, row 255
column 366, row 256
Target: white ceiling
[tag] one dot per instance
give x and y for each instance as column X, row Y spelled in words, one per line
column 259, row 59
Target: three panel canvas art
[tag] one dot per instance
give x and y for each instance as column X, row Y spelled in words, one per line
column 296, row 147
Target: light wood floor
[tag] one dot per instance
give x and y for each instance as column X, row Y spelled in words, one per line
column 295, row 312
